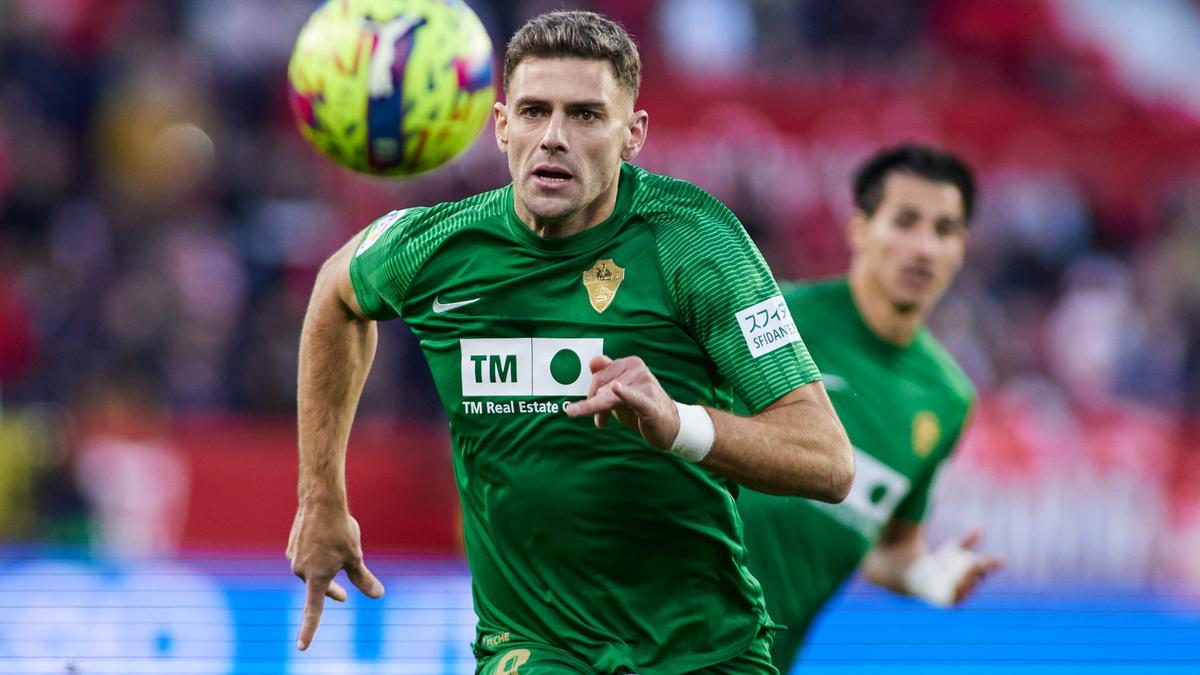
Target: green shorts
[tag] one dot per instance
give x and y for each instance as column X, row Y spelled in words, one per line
column 531, row 658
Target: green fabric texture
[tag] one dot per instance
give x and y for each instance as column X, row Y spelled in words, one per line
column 588, row 540
column 903, row 409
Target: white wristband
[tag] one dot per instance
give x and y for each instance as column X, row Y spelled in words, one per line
column 934, row 576
column 696, row 433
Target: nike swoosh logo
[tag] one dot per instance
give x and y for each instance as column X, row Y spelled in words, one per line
column 440, row 307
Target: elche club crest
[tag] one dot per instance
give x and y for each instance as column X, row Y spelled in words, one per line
column 602, row 281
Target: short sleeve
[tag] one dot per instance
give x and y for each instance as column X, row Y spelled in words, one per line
column 733, row 307
column 380, row 270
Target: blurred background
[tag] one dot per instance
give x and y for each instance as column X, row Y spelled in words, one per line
column 162, row 221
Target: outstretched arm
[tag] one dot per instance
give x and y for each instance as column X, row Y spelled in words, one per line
column 795, row 446
column 902, row 562
column 337, row 345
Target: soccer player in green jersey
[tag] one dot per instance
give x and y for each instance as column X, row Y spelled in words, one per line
column 902, row 398
column 586, row 289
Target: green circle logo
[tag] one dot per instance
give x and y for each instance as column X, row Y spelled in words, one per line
column 565, row 366
column 878, row 493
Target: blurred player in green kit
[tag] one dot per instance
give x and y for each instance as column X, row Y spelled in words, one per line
column 584, row 290
column 902, row 398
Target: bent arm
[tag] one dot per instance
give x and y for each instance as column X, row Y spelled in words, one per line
column 337, row 346
column 795, row 446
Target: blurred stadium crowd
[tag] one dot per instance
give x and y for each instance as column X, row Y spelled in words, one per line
column 161, row 221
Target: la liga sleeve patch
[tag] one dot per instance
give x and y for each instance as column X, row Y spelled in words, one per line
column 382, row 225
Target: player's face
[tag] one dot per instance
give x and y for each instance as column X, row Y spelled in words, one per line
column 566, row 128
column 913, row 245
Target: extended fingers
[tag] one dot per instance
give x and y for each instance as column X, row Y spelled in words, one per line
column 314, row 604
column 982, row 568
column 608, row 378
column 599, row 362
column 604, row 370
column 362, row 578
column 603, row 401
column 991, row 563
column 967, row 585
column 335, row 592
column 972, row 539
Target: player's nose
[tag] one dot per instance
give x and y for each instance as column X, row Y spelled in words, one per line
column 924, row 241
column 554, row 137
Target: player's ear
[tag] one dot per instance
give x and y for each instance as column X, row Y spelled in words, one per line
column 856, row 229
column 635, row 135
column 500, row 116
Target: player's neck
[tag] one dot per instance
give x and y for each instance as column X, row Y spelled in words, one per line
column 573, row 223
column 897, row 325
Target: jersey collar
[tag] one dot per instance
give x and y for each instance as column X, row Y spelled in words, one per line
column 588, row 239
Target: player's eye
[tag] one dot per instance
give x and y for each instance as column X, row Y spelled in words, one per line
column 530, row 111
column 946, row 228
column 906, row 220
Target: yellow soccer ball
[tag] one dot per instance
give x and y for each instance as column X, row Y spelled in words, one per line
column 391, row 87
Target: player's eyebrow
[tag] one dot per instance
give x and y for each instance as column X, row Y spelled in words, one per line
column 587, row 104
column 572, row 105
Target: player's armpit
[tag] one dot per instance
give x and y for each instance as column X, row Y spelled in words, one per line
column 334, row 283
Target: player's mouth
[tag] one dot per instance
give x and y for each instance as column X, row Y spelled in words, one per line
column 916, row 277
column 550, row 177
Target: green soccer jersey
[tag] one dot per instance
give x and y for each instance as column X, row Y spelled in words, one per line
column 903, row 409
column 585, row 539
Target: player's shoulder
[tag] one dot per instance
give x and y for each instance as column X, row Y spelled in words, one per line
column 816, row 293
column 674, row 206
column 947, row 369
column 441, row 218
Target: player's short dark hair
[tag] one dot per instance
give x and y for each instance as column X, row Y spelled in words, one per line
column 578, row 35
column 933, row 164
